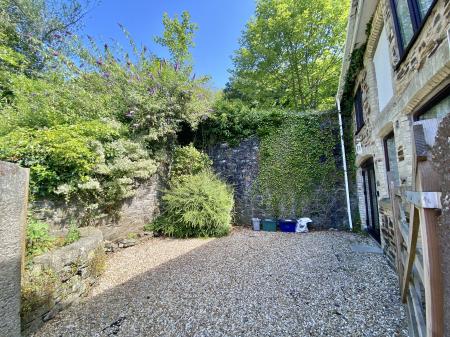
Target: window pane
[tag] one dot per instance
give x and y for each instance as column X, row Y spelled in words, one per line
column 404, row 21
column 359, row 115
column 438, row 111
column 392, row 158
column 424, row 6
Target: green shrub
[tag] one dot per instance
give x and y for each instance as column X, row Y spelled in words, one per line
column 187, row 160
column 64, row 154
column 88, row 163
column 38, row 238
column 197, row 206
column 73, row 234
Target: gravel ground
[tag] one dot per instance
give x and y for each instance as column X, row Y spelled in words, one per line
column 247, row 284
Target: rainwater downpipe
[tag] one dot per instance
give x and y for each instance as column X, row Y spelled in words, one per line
column 344, row 160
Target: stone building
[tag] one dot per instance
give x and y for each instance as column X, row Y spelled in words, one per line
column 403, row 82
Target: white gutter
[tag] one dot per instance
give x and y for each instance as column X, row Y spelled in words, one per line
column 344, row 160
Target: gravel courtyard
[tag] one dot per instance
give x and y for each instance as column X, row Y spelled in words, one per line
column 247, row 284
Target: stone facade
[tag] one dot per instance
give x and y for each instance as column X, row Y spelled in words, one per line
column 13, row 210
column 73, row 269
column 238, row 166
column 416, row 78
column 134, row 213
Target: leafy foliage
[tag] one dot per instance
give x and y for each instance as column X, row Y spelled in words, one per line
column 178, row 36
column 73, row 234
column 297, row 161
column 197, row 206
column 87, row 162
column 233, row 121
column 92, row 121
column 38, row 237
column 298, row 156
column 187, row 160
column 29, row 26
column 290, row 54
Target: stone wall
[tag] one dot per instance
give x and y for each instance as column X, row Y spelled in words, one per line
column 387, row 230
column 238, row 166
column 13, row 210
column 135, row 212
column 420, row 75
column 59, row 278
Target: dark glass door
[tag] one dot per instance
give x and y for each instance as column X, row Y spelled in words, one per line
column 371, row 200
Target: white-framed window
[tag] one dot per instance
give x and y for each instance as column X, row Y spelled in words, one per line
column 383, row 70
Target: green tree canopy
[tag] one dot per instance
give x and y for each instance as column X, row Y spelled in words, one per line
column 290, row 54
column 29, row 26
column 178, row 36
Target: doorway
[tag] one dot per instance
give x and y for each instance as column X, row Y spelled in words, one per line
column 371, row 199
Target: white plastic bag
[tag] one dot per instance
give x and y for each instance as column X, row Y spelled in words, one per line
column 302, row 225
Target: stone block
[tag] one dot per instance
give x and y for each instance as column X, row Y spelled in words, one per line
column 13, row 209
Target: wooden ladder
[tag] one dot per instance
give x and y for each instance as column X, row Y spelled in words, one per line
column 417, row 246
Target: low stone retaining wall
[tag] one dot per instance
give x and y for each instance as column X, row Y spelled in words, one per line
column 60, row 278
column 134, row 213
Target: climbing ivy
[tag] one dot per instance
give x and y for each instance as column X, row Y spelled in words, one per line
column 298, row 163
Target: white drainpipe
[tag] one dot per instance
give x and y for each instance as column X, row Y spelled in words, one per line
column 344, row 160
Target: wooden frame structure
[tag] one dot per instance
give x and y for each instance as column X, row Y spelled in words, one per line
column 417, row 247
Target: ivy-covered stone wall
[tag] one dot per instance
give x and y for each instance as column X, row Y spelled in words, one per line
column 289, row 171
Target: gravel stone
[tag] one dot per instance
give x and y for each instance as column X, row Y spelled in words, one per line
column 247, row 284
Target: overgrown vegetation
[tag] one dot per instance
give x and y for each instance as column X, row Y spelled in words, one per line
column 97, row 263
column 38, row 238
column 73, row 234
column 187, row 160
column 298, row 164
column 91, row 122
column 38, row 287
column 198, row 205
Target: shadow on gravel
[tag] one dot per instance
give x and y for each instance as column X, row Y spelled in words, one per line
column 250, row 284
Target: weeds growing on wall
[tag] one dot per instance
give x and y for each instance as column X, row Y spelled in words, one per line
column 38, row 238
column 38, row 288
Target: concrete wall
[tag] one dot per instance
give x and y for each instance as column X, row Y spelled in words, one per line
column 13, row 213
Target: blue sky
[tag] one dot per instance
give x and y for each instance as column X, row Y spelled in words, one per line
column 220, row 25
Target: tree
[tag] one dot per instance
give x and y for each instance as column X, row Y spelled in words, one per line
column 290, row 54
column 28, row 26
column 178, row 37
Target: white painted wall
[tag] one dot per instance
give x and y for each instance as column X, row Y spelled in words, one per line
column 383, row 70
